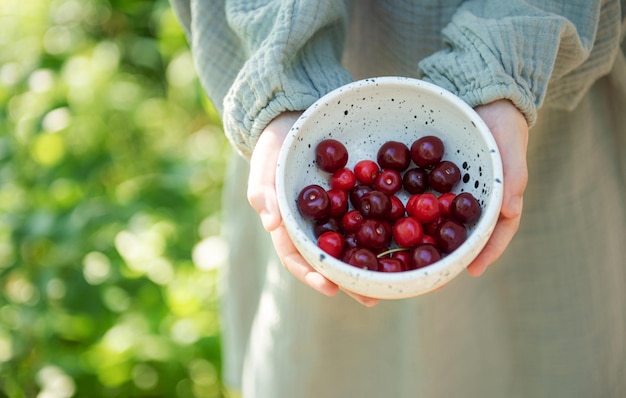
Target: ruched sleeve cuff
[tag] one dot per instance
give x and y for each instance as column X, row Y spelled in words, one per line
column 488, row 60
column 259, row 58
column 514, row 50
column 274, row 81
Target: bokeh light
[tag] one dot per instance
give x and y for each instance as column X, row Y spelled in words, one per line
column 111, row 164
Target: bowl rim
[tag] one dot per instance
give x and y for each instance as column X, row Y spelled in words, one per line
column 485, row 224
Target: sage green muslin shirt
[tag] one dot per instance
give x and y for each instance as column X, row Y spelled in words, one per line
column 549, row 318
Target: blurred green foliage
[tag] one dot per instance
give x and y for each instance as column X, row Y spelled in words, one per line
column 111, row 167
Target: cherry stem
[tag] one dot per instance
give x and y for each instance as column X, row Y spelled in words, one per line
column 397, row 249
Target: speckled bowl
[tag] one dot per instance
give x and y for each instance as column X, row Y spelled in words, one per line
column 363, row 115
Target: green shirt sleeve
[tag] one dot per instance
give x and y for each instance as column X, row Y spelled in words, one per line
column 518, row 49
column 256, row 59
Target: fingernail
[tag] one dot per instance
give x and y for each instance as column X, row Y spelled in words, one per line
column 369, row 302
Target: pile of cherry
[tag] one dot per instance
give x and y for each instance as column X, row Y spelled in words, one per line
column 361, row 220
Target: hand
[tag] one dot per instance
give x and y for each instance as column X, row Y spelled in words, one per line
column 262, row 197
column 510, row 130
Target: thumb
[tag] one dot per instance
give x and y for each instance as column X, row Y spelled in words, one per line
column 510, row 131
column 262, row 177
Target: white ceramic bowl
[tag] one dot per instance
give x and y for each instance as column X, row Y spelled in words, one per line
column 364, row 115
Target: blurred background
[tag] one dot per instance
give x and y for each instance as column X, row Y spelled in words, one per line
column 111, row 163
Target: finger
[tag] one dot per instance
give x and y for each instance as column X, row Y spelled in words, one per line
column 502, row 235
column 363, row 300
column 515, row 176
column 294, row 262
column 262, row 176
column 510, row 131
column 261, row 180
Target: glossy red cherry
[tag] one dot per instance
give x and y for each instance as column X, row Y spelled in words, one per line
column 375, row 204
column 397, row 208
column 350, row 240
column 444, row 176
column 415, row 180
column 313, row 202
column 388, row 181
column 407, row 232
column 431, row 227
column 366, row 171
column 352, row 220
column 445, row 200
column 338, row 202
column 427, row 151
column 465, row 208
column 390, row 265
column 326, row 224
column 394, row 155
column 410, row 203
column 450, row 235
column 425, row 208
column 424, row 255
column 343, row 179
column 362, row 258
column 373, row 234
column 404, row 256
column 332, row 243
column 428, row 239
column 357, row 192
column 331, row 155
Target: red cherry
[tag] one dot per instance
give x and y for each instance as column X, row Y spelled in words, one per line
column 425, row 208
column 444, row 176
column 352, row 221
column 373, row 234
column 331, row 242
column 343, row 179
column 388, row 181
column 350, row 240
column 366, row 171
column 375, row 204
column 331, row 155
column 450, row 235
column 390, row 265
column 326, row 224
column 410, row 203
column 465, row 208
column 338, row 202
column 362, row 258
column 404, row 256
column 445, row 200
column 394, row 155
column 348, row 250
column 431, row 227
column 428, row 240
column 427, row 151
column 313, row 202
column 424, row 255
column 415, row 180
column 357, row 192
column 407, row 232
column 397, row 208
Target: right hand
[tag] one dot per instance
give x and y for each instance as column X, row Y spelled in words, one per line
column 262, row 197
